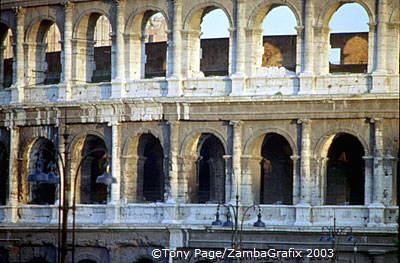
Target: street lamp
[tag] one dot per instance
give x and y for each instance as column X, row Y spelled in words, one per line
column 237, row 232
column 53, row 177
column 333, row 234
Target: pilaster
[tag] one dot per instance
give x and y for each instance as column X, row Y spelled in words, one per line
column 305, row 174
column 66, row 75
column 17, row 91
column 236, row 159
column 118, row 52
column 172, row 193
column 12, row 216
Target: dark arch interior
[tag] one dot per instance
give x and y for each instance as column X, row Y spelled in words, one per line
column 38, row 260
column 87, row 261
column 7, row 63
column 93, row 166
column 210, row 170
column 43, row 151
column 345, row 171
column 150, row 168
column 99, row 32
column 144, row 259
column 3, row 174
column 276, row 171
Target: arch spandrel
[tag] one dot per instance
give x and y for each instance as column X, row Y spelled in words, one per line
column 259, row 10
column 324, row 13
column 189, row 142
column 195, row 12
column 253, row 144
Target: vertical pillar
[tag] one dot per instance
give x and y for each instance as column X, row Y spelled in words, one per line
column 305, row 175
column 296, row 179
column 66, row 76
column 172, row 194
column 381, row 39
column 236, row 159
column 118, row 51
column 378, row 161
column 299, row 49
column 175, row 49
column 116, row 167
column 371, row 46
column 308, row 44
column 133, row 61
column 17, row 93
column 12, row 217
column 239, row 37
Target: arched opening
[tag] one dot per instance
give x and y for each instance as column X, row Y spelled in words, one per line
column 92, row 45
column 279, row 40
column 150, row 184
column 41, row 155
column 3, row 174
column 207, row 42
column 87, row 261
column 345, row 171
column 154, row 42
column 44, row 48
column 214, row 46
column 210, row 179
column 349, row 40
column 6, row 56
column 94, row 160
column 276, row 171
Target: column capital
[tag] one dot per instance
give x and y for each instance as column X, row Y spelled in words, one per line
column 173, row 123
column 376, row 120
column 236, row 123
column 295, row 157
column 19, row 11
column 299, row 29
column 303, row 121
column 68, row 5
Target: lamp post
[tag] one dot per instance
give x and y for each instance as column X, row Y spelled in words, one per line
column 238, row 221
column 334, row 233
column 53, row 177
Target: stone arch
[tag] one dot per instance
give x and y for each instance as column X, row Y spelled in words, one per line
column 76, row 152
column 322, row 145
column 140, row 56
column 191, row 139
column 6, row 64
column 137, row 156
column 322, row 31
column 345, row 172
column 258, row 13
column 326, row 12
column 250, row 146
column 37, row 156
column 40, row 63
column 88, row 257
column 194, row 160
column 192, row 44
column 258, row 163
column 95, row 61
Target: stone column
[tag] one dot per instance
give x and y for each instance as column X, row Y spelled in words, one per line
column 17, row 93
column 393, row 50
column 296, row 179
column 305, row 175
column 236, row 159
column 118, row 52
column 12, row 201
column 382, row 37
column 251, row 179
column 174, row 64
column 228, row 179
column 255, row 50
column 369, row 182
column 309, row 48
column 173, row 187
column 239, row 49
column 192, row 48
column 116, row 163
column 299, row 49
column 371, row 46
column 378, row 172
column 66, row 76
